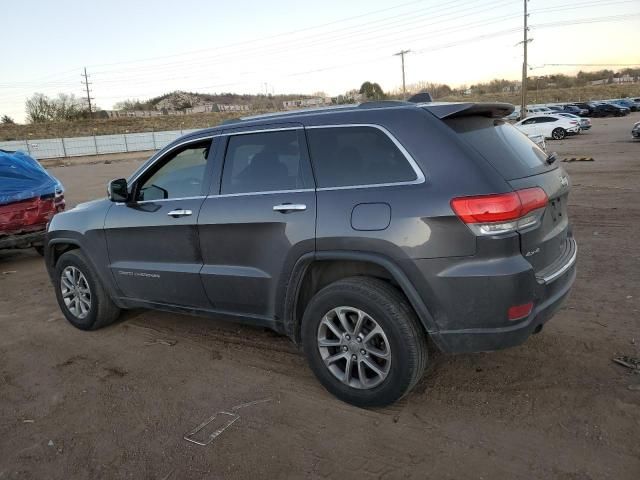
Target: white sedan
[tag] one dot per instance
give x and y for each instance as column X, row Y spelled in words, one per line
column 551, row 126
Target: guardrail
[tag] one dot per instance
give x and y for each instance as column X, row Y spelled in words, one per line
column 94, row 145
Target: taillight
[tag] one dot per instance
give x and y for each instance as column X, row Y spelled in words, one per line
column 501, row 213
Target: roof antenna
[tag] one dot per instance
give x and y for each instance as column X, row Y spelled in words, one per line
column 421, row 97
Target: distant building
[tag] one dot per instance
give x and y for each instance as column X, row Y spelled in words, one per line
column 132, row 113
column 306, row 102
column 624, row 79
column 225, row 107
column 202, row 108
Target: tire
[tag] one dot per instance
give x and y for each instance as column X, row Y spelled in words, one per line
column 94, row 308
column 402, row 339
column 558, row 133
column 40, row 250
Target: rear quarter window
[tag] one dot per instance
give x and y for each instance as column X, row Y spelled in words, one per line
column 355, row 156
column 507, row 149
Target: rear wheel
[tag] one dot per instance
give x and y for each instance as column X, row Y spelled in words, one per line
column 558, row 133
column 80, row 294
column 363, row 341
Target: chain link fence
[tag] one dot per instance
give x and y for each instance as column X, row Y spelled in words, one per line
column 94, row 145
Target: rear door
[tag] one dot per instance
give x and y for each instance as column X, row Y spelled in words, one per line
column 524, row 165
column 259, row 219
column 152, row 241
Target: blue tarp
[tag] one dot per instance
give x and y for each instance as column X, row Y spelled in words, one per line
column 22, row 177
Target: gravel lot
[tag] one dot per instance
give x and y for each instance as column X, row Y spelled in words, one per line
column 116, row 403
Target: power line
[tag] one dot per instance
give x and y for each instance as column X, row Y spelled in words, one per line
column 452, row 44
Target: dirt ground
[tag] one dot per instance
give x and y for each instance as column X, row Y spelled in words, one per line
column 117, row 402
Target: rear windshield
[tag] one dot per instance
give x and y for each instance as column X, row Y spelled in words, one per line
column 506, row 148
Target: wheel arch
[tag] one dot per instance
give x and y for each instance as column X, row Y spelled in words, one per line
column 313, row 271
column 56, row 247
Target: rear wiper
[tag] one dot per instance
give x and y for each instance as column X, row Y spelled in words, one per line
column 552, row 157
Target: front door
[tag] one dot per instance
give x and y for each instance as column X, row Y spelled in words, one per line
column 152, row 241
column 258, row 221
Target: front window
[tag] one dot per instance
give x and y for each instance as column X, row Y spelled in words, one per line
column 179, row 175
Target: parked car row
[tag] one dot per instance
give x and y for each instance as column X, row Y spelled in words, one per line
column 605, row 108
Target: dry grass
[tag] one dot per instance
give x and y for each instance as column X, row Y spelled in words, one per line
column 113, row 126
column 204, row 120
column 575, row 94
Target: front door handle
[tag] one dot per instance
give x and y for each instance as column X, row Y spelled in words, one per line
column 180, row 213
column 289, row 207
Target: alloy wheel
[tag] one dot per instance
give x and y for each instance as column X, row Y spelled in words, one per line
column 75, row 292
column 354, row 347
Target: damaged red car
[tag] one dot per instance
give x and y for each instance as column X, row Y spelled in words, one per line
column 29, row 197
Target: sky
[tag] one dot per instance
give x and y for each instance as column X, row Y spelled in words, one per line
column 140, row 49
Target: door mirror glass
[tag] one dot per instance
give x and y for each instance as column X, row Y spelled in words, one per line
column 117, row 190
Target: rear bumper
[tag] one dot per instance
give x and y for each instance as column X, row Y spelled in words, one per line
column 475, row 295
column 489, row 339
column 23, row 239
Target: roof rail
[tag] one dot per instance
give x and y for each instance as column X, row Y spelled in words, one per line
column 298, row 111
column 382, row 104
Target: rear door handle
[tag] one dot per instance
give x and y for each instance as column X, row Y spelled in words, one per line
column 289, row 207
column 180, row 213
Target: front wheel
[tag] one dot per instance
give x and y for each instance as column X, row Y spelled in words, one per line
column 363, row 341
column 80, row 294
column 558, row 133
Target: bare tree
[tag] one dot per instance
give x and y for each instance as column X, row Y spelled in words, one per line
column 6, row 120
column 67, row 107
column 39, row 108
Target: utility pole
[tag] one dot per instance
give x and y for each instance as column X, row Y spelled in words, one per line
column 86, row 84
column 525, row 43
column 401, row 54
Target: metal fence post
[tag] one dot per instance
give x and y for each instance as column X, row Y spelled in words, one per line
column 153, row 135
column 26, row 142
column 126, row 146
column 64, row 148
column 95, row 144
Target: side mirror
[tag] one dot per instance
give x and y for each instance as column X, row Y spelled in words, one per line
column 117, row 190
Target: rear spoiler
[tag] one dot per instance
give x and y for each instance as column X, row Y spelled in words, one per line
column 454, row 110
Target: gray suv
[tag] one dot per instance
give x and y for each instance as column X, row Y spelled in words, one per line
column 360, row 232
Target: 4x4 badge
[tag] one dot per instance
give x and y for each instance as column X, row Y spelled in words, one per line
column 564, row 181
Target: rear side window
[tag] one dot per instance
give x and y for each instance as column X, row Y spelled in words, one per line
column 502, row 145
column 359, row 155
column 263, row 162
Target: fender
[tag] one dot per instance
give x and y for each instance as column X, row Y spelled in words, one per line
column 291, row 326
column 107, row 280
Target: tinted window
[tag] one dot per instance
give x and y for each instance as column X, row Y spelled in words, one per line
column 506, row 148
column 345, row 156
column 263, row 162
column 179, row 175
